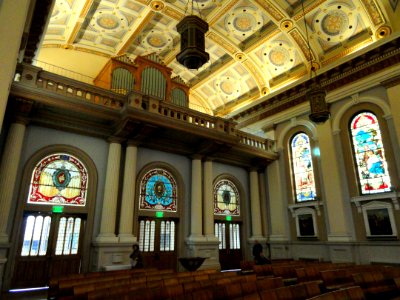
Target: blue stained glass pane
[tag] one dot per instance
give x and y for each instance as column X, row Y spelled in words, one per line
column 158, row 191
column 369, row 154
column 302, row 168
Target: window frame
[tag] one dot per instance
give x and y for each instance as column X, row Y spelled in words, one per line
column 354, row 156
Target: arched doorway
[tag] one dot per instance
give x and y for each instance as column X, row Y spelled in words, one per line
column 52, row 236
column 158, row 215
column 228, row 223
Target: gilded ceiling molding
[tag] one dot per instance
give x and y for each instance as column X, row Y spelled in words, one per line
column 136, row 33
column 231, row 107
column 308, row 9
column 277, row 85
column 221, row 41
column 373, row 62
column 170, row 57
column 92, row 52
column 251, row 67
column 77, row 27
column 215, row 72
column 157, row 5
column 383, row 31
column 173, row 13
column 271, row 9
column 259, row 42
column 70, row 47
column 374, row 12
column 346, row 52
column 200, row 100
column 221, row 13
column 302, row 44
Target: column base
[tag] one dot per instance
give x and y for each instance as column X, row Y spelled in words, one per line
column 111, row 256
column 127, row 238
column 196, row 238
column 203, row 247
column 106, row 238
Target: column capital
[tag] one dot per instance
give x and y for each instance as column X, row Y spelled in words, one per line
column 196, row 156
column 115, row 140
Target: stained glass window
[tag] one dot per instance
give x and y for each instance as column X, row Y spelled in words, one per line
column 226, row 198
column 59, row 179
column 303, row 168
column 369, row 154
column 158, row 191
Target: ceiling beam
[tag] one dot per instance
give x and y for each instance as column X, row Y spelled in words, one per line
column 138, row 25
column 78, row 20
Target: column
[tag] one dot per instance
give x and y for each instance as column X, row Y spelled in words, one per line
column 196, row 207
column 208, row 201
column 334, row 199
column 128, row 196
column 13, row 15
column 277, row 199
column 8, row 174
column 108, row 216
column 255, row 206
column 393, row 121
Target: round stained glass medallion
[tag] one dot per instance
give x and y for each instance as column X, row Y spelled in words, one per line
column 61, row 178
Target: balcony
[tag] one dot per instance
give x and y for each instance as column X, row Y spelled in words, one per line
column 51, row 100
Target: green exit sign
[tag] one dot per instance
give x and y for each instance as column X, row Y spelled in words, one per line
column 58, row 209
column 228, row 218
column 159, row 214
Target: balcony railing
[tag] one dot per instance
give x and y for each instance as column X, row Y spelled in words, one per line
column 36, row 77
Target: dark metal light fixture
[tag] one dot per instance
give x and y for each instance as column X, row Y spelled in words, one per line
column 316, row 94
column 192, row 30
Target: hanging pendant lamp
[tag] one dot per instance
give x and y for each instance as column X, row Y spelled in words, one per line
column 192, row 30
column 315, row 94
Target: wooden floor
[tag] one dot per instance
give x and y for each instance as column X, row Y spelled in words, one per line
column 35, row 295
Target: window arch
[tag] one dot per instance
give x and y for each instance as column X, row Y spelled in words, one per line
column 59, row 179
column 226, row 198
column 369, row 154
column 302, row 167
column 158, row 191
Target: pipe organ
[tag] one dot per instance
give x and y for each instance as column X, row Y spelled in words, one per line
column 146, row 74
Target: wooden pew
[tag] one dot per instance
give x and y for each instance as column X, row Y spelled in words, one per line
column 337, row 279
column 299, row 291
column 350, row 293
column 376, row 285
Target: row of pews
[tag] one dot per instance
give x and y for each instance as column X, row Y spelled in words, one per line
column 281, row 280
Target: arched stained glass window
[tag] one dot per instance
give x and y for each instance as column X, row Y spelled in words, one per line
column 303, row 171
column 59, row 179
column 158, row 191
column 226, row 198
column 369, row 154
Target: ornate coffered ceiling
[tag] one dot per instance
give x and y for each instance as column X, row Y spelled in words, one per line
column 258, row 48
